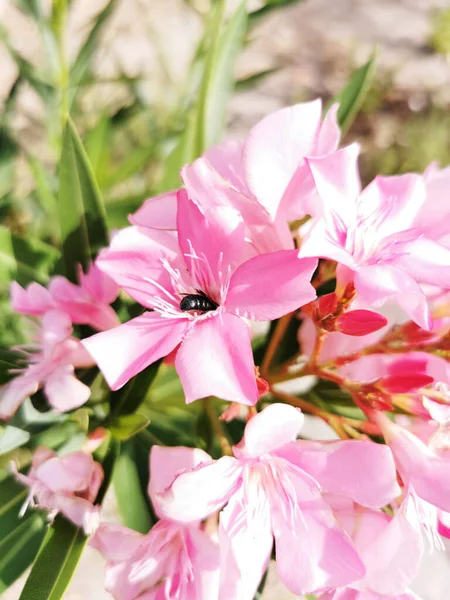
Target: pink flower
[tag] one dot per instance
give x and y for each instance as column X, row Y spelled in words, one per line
column 200, row 291
column 265, row 178
column 51, row 365
column 66, row 484
column 391, row 549
column 174, row 561
column 273, row 488
column 374, row 237
column 86, row 303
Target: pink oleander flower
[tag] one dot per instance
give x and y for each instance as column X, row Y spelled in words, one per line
column 87, row 303
column 391, row 549
column 273, row 487
column 173, row 561
column 66, row 484
column 200, row 292
column 264, row 178
column 52, row 360
column 374, row 237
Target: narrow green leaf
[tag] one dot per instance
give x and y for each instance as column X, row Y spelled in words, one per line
column 256, row 15
column 12, row 438
column 44, row 190
column 218, row 77
column 352, row 96
column 25, row 259
column 249, row 82
column 131, row 396
column 131, row 497
column 183, row 153
column 81, row 211
column 126, row 426
column 56, row 562
column 12, row 496
column 98, row 148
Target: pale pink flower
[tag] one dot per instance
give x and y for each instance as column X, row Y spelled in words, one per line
column 374, row 237
column 265, row 178
column 87, row 303
column 391, row 549
column 51, row 364
column 66, row 484
column 273, row 488
column 173, row 561
column 204, row 266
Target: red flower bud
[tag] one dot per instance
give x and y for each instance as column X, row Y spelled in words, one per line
column 405, row 383
column 360, row 322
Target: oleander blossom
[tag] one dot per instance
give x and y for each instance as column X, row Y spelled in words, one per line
column 66, row 484
column 51, row 363
column 87, row 303
column 273, row 487
column 204, row 262
column 173, row 561
column 374, row 236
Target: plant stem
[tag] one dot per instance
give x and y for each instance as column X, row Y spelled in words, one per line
column 280, row 330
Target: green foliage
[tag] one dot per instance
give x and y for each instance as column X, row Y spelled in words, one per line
column 440, row 36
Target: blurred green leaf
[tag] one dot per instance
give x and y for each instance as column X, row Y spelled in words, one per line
column 131, row 496
column 256, row 15
column 11, row 438
column 98, row 148
column 44, row 189
column 56, row 561
column 351, row 98
column 81, row 65
column 182, row 154
column 81, row 211
column 25, row 259
column 218, row 76
column 126, row 400
column 126, row 426
column 246, row 83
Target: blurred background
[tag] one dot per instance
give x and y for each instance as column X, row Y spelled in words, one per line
column 131, row 74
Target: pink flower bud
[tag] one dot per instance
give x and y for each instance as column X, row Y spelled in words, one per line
column 360, row 322
column 404, row 383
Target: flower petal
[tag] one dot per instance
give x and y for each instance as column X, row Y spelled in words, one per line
column 377, row 283
column 201, row 491
column 215, row 358
column 361, row 470
column 272, row 428
column 275, row 148
column 123, row 352
column 426, row 261
column 245, row 547
column 13, row 393
column 64, row 391
column 116, row 542
column 80, row 511
column 320, row 243
column 35, row 300
column 71, row 473
column 271, row 285
column 159, row 212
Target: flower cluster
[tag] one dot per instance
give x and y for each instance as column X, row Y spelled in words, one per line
column 277, row 228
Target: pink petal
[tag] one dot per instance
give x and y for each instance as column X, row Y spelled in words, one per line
column 35, row 300
column 272, row 428
column 13, row 393
column 216, row 240
column 330, row 133
column 133, row 261
column 361, row 470
column 201, row 491
column 80, row 511
column 271, row 285
column 215, row 358
column 433, row 215
column 159, row 212
column 426, row 261
column 360, row 322
column 275, row 148
column 123, row 352
column 377, row 283
column 245, row 547
column 98, row 284
column 405, row 383
column 338, row 185
column 116, row 542
column 166, row 463
column 320, row 243
column 390, row 204
column 226, row 159
column 204, row 555
column 71, row 472
column 56, row 327
column 313, row 556
column 41, row 455
column 64, row 391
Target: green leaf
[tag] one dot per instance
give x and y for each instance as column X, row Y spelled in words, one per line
column 352, row 96
column 183, row 153
column 82, row 62
column 271, row 5
column 249, row 82
column 218, row 76
column 126, row 426
column 56, row 562
column 81, row 211
column 12, row 438
column 25, row 259
column 44, row 191
column 131, row 496
column 131, row 396
column 18, row 549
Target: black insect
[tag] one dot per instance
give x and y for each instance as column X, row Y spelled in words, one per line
column 200, row 302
